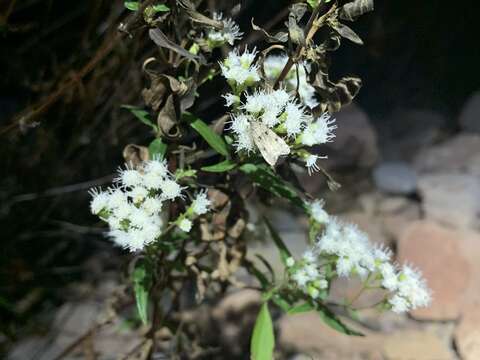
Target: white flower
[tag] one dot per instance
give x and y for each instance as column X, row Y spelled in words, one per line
column 413, row 288
column 152, row 205
column 301, row 277
column 290, row 262
column 100, row 200
column 311, row 163
column 317, row 212
column 240, row 125
column 295, row 120
column 170, row 189
column 229, row 33
column 239, row 69
column 153, row 180
column 185, row 225
column 121, row 238
column 116, row 198
column 201, row 203
column 389, row 276
column 231, row 99
column 399, row 304
column 138, row 194
column 128, row 177
column 309, row 256
column 319, row 131
column 157, row 167
column 124, row 211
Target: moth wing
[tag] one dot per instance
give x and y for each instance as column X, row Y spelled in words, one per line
column 271, row 145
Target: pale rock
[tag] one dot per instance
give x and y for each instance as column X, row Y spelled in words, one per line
column 460, row 154
column 467, row 334
column 416, row 345
column 451, row 199
column 395, row 178
column 437, row 252
column 355, row 144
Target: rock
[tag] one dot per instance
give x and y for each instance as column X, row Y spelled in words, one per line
column 308, row 334
column 451, row 199
column 355, row 144
column 405, row 132
column 416, row 345
column 395, row 178
column 469, row 118
column 460, row 154
column 437, row 252
column 467, row 334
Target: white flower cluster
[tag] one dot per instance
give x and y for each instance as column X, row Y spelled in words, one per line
column 307, row 274
column 350, row 252
column 229, row 33
column 199, row 206
column 133, row 207
column 273, row 66
column 293, row 125
column 239, row 69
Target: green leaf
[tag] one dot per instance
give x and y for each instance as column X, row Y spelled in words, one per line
column 223, row 166
column 141, row 115
column 297, row 309
column 132, row 5
column 282, row 248
column 157, row 149
column 263, row 338
column 265, row 178
column 141, row 284
column 183, row 173
column 212, row 138
column 262, row 279
column 281, row 302
column 335, row 323
column 161, row 8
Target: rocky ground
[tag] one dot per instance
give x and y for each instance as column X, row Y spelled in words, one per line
column 415, row 188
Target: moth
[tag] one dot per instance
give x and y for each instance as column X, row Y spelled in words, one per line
column 271, row 145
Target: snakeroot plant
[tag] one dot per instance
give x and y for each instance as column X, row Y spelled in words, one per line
column 178, row 205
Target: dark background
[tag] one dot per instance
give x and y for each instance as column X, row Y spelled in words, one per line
column 417, row 55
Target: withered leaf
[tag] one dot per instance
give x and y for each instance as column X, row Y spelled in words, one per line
column 167, row 119
column 161, row 40
column 352, row 10
column 335, row 95
column 135, row 154
column 298, row 10
column 280, row 36
column 347, row 33
column 296, row 33
column 198, row 17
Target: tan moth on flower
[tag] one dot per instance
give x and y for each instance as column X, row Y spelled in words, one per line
column 271, row 145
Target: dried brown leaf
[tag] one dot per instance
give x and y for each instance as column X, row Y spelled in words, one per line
column 135, row 154
column 347, row 32
column 280, row 36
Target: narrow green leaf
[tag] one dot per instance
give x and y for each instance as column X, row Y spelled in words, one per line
column 297, row 309
column 263, row 338
column 267, row 265
column 282, row 248
column 262, row 279
column 161, row 8
column 281, row 302
column 141, row 115
column 265, row 178
column 212, row 138
column 141, row 284
column 223, row 166
column 132, row 5
column 335, row 323
column 157, row 149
